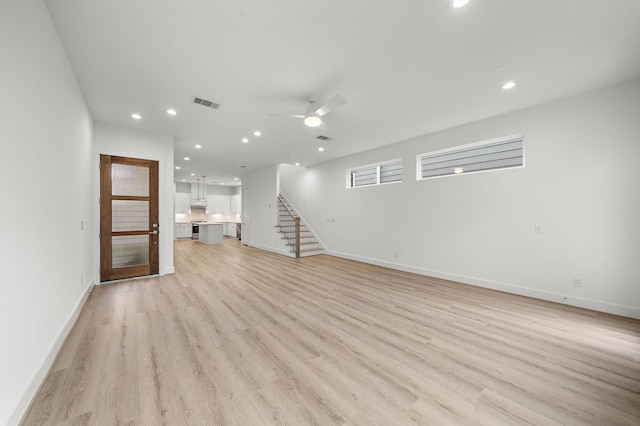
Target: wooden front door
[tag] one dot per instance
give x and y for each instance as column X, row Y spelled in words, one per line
column 129, row 225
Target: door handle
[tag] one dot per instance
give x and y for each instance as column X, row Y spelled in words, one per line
column 155, row 231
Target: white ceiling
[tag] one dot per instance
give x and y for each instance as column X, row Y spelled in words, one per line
column 406, row 68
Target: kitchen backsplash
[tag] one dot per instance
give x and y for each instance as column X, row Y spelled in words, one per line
column 197, row 215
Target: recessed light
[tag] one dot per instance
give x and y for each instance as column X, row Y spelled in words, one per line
column 171, row 111
column 458, row 3
column 184, row 180
column 245, row 140
column 458, row 170
column 242, row 166
column 136, row 116
column 177, row 167
column 257, row 133
column 198, row 146
column 193, row 174
column 221, row 183
column 186, row 158
column 321, row 149
column 509, row 85
column 235, row 178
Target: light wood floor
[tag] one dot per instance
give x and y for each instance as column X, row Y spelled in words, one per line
column 245, row 337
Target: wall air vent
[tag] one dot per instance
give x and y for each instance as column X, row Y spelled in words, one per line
column 206, row 103
column 324, row 138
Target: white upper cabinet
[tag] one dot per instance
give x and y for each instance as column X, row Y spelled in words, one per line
column 226, row 204
column 236, row 206
column 182, row 202
column 215, row 204
column 220, row 204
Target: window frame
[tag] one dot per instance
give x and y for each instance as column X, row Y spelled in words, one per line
column 488, row 142
column 351, row 170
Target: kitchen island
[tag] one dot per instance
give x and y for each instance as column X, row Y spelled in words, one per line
column 211, row 233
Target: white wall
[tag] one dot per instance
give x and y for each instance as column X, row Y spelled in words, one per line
column 220, row 190
column 211, row 189
column 45, row 181
column 580, row 184
column 263, row 210
column 110, row 139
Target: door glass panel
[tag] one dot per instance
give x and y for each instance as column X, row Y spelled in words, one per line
column 129, row 180
column 129, row 250
column 128, row 215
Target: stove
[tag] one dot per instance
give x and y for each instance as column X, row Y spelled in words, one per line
column 195, row 229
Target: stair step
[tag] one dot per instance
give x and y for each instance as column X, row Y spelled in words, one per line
column 303, row 243
column 307, row 250
column 309, row 245
column 311, row 253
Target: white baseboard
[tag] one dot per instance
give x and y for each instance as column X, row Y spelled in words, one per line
column 271, row 249
column 594, row 305
column 46, row 364
column 169, row 270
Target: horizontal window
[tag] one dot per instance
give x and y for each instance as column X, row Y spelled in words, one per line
column 483, row 156
column 375, row 174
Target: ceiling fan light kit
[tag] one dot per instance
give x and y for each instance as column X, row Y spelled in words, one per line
column 312, row 120
column 458, row 3
column 314, row 112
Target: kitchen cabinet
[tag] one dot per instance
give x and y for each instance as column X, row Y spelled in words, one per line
column 214, row 204
column 182, row 202
column 230, row 229
column 236, row 206
column 183, row 230
column 226, row 204
column 222, row 204
column 218, row 204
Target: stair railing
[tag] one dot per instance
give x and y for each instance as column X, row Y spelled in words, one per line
column 296, row 221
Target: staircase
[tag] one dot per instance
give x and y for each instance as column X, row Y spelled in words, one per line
column 293, row 229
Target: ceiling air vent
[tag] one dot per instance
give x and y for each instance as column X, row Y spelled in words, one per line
column 324, row 138
column 206, row 103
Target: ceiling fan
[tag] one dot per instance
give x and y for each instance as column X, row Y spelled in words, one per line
column 315, row 111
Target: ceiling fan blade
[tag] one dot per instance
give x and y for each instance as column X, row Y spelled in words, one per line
column 330, row 105
column 271, row 114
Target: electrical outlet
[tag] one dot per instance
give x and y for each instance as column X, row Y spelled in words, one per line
column 395, row 254
column 537, row 229
column 82, row 225
column 577, row 282
column 81, row 279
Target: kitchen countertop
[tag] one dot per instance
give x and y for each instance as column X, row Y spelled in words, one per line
column 207, row 223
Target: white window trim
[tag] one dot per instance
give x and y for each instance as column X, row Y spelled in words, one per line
column 470, row 145
column 368, row 166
